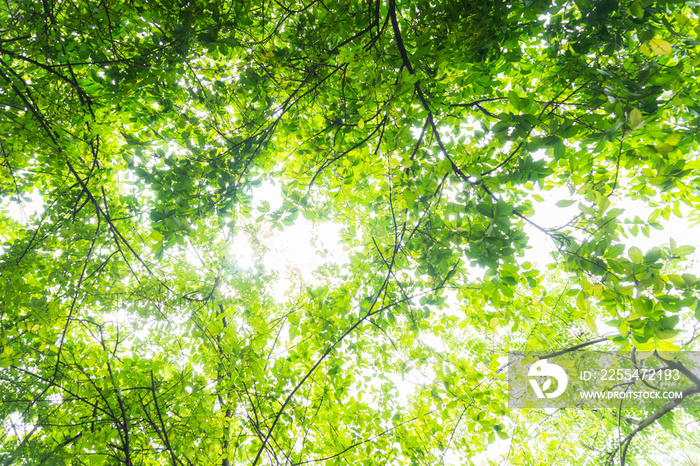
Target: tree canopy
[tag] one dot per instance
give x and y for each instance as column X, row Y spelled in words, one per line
column 147, row 132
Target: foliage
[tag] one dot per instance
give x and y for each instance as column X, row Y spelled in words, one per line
column 430, row 131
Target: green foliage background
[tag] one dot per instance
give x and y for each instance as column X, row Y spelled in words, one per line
column 428, row 130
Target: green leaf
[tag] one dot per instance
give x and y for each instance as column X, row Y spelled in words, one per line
column 637, row 10
column 590, row 322
column 635, row 118
column 229, row 229
column 652, row 256
column 485, row 209
column 684, row 250
column 514, row 99
column 635, row 254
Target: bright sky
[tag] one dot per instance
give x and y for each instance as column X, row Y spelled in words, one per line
column 303, row 247
column 296, row 248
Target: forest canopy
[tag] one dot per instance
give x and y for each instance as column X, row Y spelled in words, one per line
column 143, row 140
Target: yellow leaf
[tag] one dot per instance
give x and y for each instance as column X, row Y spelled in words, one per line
column 361, row 124
column 635, row 118
column 646, row 347
column 674, row 139
column 646, row 50
column 582, row 302
column 660, row 47
column 156, row 236
column 681, row 19
column 591, row 323
column 666, row 346
column 664, row 148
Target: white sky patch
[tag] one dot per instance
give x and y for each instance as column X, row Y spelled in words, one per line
column 267, row 191
column 299, row 250
column 14, row 425
column 296, row 252
column 549, row 215
column 32, row 204
column 433, row 341
column 242, row 253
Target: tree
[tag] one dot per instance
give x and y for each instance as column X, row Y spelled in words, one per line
column 429, row 131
